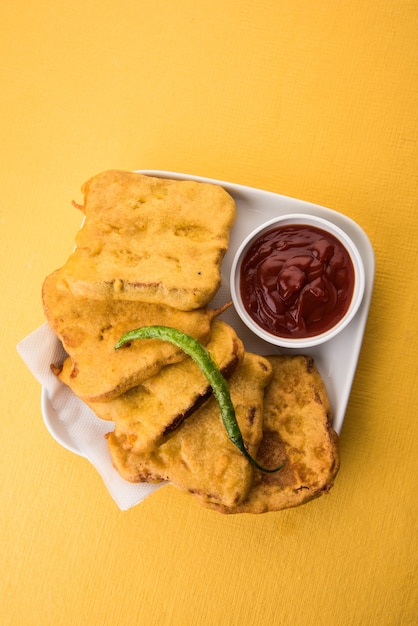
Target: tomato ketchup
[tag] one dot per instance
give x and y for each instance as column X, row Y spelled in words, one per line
column 296, row 281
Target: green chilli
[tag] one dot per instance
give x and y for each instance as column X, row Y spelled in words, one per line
column 202, row 358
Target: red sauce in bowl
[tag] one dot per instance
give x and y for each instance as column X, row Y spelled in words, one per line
column 296, row 281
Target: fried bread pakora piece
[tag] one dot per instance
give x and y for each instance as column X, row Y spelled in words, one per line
column 149, row 413
column 297, row 430
column 151, row 239
column 199, row 457
column 89, row 329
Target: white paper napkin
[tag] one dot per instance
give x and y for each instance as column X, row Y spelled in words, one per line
column 71, row 422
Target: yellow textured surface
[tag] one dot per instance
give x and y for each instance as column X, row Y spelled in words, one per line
column 317, row 100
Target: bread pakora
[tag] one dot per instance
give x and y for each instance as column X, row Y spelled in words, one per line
column 149, row 253
column 199, row 457
column 149, row 413
column 297, row 430
column 89, row 329
column 151, row 239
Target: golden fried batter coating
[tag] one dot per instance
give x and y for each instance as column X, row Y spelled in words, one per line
column 149, row 413
column 199, row 457
column 297, row 430
column 89, row 329
column 151, row 239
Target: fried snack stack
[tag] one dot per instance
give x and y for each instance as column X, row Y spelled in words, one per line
column 149, row 253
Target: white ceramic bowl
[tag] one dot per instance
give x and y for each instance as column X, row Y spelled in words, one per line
column 298, row 219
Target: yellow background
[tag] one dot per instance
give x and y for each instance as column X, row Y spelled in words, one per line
column 316, row 99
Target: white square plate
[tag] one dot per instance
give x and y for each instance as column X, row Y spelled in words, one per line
column 336, row 359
